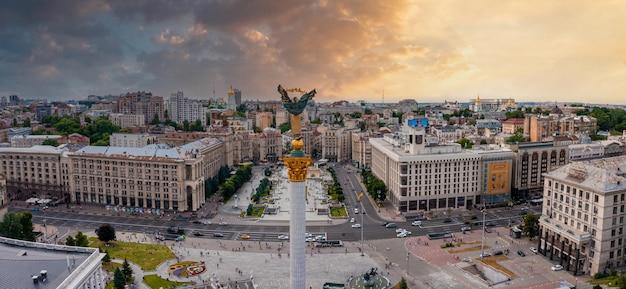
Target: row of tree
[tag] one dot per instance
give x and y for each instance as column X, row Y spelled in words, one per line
column 98, row 131
column 335, row 189
column 374, row 186
column 18, row 226
column 212, row 185
column 234, row 182
column 263, row 189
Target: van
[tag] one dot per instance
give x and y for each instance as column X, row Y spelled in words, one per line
column 390, row 225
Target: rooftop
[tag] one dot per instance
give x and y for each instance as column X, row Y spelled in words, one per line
column 601, row 175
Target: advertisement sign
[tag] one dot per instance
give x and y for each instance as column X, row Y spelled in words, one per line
column 499, row 178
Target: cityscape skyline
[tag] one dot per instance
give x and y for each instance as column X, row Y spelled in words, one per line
column 362, row 50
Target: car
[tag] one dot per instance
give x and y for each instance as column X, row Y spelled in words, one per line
column 474, row 218
column 522, row 213
column 485, row 254
column 197, row 222
column 207, row 222
column 385, row 223
column 416, row 223
column 198, row 234
column 534, row 250
column 244, row 236
column 490, row 224
column 356, row 226
column 447, row 220
column 463, row 229
column 310, row 239
column 223, row 224
column 363, row 212
column 283, row 237
column 497, row 253
column 408, row 233
column 521, row 253
column 390, row 225
column 218, row 235
column 356, row 210
column 320, row 238
column 352, row 220
column 399, row 230
column 557, row 267
column 401, row 235
column 487, row 230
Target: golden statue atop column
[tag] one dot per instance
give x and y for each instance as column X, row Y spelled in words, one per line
column 297, row 162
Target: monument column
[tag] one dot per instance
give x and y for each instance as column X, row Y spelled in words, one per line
column 297, row 163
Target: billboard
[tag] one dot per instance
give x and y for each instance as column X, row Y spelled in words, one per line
column 499, row 178
column 417, row 122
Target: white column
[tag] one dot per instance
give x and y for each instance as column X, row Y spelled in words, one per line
column 91, row 279
column 297, row 231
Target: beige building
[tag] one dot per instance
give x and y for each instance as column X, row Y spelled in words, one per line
column 127, row 120
column 545, row 127
column 4, row 198
column 154, row 176
column 267, row 146
column 134, row 140
column 26, row 141
column 361, row 150
column 582, row 222
column 422, row 175
column 264, row 119
column 336, row 143
column 512, row 125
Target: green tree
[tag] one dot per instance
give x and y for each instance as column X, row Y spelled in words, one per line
column 284, row 127
column 166, row 114
column 118, row 279
column 518, row 137
column 81, row 239
column 403, row 284
column 70, row 241
column 530, row 226
column 11, row 227
column 367, row 111
column 107, row 257
column 465, row 143
column 50, row 142
column 197, row 126
column 514, row 114
column 128, row 272
column 26, row 220
column 26, row 123
column 155, row 119
column 186, row 126
column 14, row 123
column 106, row 233
column 362, row 125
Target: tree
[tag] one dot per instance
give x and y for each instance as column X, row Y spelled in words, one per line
column 128, row 272
column 284, row 127
column 166, row 114
column 106, row 233
column 26, row 123
column 465, row 143
column 531, row 223
column 367, row 111
column 70, row 241
column 403, row 284
column 26, row 220
column 118, row 279
column 362, row 125
column 50, row 142
column 514, row 114
column 11, row 227
column 81, row 239
column 155, row 119
column 107, row 257
column 518, row 137
column 14, row 124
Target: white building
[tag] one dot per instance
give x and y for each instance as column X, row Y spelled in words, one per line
column 422, row 175
column 182, row 108
column 127, row 120
column 27, row 141
column 133, row 140
column 582, row 222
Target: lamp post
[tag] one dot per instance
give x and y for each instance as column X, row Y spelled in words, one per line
column 408, row 254
column 482, row 247
column 378, row 192
column 362, row 225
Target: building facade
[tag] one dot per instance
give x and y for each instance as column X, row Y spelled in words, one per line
column 182, row 108
column 582, row 222
column 141, row 102
column 133, row 140
column 127, row 120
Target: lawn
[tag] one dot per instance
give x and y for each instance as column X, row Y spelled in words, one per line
column 147, row 256
column 338, row 211
column 156, row 282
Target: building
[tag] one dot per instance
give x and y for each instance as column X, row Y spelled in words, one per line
column 33, row 172
column 155, row 176
column 133, row 140
column 335, row 143
column 489, row 105
column 27, row 141
column 407, row 105
column 446, row 134
column 264, row 119
column 127, row 120
column 267, row 146
column 141, row 102
column 232, row 102
column 544, row 127
column 512, row 125
column 182, row 108
column 422, row 175
column 34, row 265
column 531, row 161
column 582, row 222
column 4, row 198
column 42, row 110
column 361, row 150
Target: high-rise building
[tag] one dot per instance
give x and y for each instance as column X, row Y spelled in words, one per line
column 141, row 102
column 181, row 108
column 232, row 101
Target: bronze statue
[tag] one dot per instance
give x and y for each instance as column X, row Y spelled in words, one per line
column 295, row 107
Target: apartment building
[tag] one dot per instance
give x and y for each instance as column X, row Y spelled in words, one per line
column 182, row 108
column 27, row 141
column 361, row 149
column 545, row 127
column 127, row 120
column 512, row 125
column 141, row 102
column 582, row 222
column 335, row 143
column 267, row 146
column 422, row 175
column 134, row 140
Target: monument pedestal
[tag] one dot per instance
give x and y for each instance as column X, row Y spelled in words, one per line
column 297, row 165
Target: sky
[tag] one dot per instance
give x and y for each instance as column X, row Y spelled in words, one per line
column 378, row 51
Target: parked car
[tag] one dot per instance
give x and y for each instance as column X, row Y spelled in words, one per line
column 487, row 230
column 485, row 254
column 385, row 223
column 416, row 223
column 356, row 210
column 521, row 253
column 310, row 239
column 390, row 225
column 356, row 226
column 197, row 222
column 557, row 267
column 283, row 237
column 207, row 222
column 447, row 220
column 534, row 250
column 401, row 235
column 474, row 218
column 496, row 253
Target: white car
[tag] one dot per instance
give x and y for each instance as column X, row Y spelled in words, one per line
column 557, row 268
column 356, row 210
column 532, row 249
column 356, row 226
column 399, row 230
column 310, row 239
column 223, row 224
column 283, row 237
column 463, row 229
column 352, row 220
column 401, row 235
column 207, row 222
column 416, row 223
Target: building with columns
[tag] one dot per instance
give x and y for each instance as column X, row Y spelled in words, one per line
column 582, row 222
column 36, row 265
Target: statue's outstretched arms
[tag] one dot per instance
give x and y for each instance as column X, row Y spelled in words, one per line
column 305, row 98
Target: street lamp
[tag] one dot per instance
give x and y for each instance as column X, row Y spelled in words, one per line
column 482, row 248
column 362, row 225
column 378, row 192
column 408, row 254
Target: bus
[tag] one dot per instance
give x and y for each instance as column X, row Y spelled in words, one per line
column 331, row 243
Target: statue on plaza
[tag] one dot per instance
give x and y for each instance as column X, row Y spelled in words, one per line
column 295, row 106
column 368, row 277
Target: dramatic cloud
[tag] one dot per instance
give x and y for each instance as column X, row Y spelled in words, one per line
column 354, row 49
